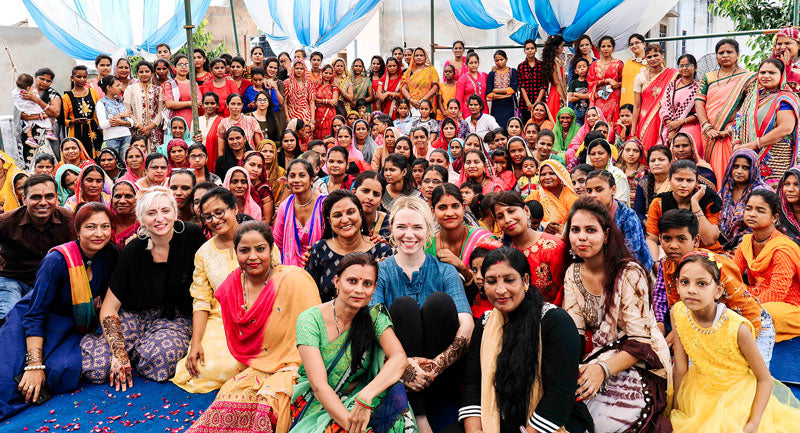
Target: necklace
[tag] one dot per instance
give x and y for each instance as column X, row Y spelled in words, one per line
column 335, row 320
column 246, row 291
column 306, row 203
column 761, row 241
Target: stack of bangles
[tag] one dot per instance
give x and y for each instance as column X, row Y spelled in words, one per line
column 607, row 372
column 706, row 126
column 366, row 406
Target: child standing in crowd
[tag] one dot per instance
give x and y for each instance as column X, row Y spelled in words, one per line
column 527, row 182
column 579, row 91
column 26, row 106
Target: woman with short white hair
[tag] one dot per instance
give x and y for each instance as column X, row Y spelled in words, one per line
column 145, row 314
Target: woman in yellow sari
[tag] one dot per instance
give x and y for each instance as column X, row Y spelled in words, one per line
column 341, row 80
column 421, row 81
column 556, row 194
column 720, row 94
column 260, row 304
column 8, row 172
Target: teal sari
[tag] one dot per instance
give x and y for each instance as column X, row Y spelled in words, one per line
column 392, row 413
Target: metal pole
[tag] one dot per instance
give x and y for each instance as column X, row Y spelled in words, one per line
column 433, row 44
column 192, row 74
column 714, row 35
column 794, row 13
column 235, row 35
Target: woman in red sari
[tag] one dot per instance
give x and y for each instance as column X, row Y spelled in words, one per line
column 388, row 90
column 300, row 91
column 605, row 80
column 648, row 89
column 545, row 252
column 552, row 73
column 325, row 100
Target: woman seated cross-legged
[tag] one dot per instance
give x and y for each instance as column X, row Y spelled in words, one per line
column 145, row 313
column 352, row 360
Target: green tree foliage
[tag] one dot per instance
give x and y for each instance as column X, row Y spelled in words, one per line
column 201, row 38
column 755, row 15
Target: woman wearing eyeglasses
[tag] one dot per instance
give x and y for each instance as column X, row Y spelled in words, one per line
column 209, row 363
column 179, row 99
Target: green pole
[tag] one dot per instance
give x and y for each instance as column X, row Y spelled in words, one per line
column 192, row 74
column 235, row 35
column 795, row 18
column 433, row 44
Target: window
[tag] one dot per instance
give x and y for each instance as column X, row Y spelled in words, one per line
column 683, row 43
column 662, row 33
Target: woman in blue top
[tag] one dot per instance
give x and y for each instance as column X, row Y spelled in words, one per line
column 426, row 300
column 41, row 334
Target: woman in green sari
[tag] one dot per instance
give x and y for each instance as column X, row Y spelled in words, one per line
column 356, row 380
column 360, row 85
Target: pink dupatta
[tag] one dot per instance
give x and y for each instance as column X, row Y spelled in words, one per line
column 250, row 206
column 288, row 232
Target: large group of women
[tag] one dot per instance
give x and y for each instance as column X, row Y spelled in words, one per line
column 583, row 246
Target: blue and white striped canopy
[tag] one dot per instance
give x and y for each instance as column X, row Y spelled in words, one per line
column 526, row 19
column 314, row 25
column 84, row 29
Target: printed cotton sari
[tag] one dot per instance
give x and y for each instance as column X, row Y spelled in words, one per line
column 610, row 106
column 678, row 103
column 649, row 126
column 758, row 116
column 789, row 224
column 730, row 221
column 392, row 413
column 722, row 97
column 419, row 81
column 263, row 338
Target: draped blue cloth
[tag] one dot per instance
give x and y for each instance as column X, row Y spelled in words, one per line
column 84, row 29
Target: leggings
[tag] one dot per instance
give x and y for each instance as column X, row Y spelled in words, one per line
column 426, row 332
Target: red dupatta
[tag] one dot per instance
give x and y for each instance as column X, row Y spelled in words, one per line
column 389, row 85
column 244, row 328
column 211, row 144
column 649, row 127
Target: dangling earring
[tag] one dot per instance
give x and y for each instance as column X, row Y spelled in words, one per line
column 572, row 254
column 183, row 227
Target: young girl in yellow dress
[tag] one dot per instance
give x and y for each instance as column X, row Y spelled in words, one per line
column 728, row 387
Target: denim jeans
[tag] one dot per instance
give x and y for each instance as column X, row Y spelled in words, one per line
column 120, row 144
column 11, row 291
column 766, row 338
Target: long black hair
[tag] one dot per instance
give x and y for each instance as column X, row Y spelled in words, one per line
column 549, row 58
column 651, row 179
column 327, row 206
column 518, row 361
column 402, row 163
column 362, row 336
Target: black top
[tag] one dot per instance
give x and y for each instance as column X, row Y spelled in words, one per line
column 323, row 262
column 23, row 245
column 561, row 350
column 141, row 284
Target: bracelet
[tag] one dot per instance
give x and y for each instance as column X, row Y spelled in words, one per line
column 34, row 367
column 35, row 355
column 606, row 369
column 361, row 402
column 758, row 142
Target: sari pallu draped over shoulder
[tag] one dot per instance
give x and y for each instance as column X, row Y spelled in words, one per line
column 731, row 223
column 722, row 97
column 678, row 103
column 610, row 106
column 758, row 116
column 82, row 303
column 419, row 81
column 649, row 126
column 556, row 209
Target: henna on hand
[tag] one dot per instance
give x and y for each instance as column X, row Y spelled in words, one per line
column 409, row 375
column 453, row 353
column 112, row 329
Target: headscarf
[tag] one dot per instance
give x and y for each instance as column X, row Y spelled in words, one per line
column 177, row 142
column 369, row 143
column 441, row 142
column 113, row 153
column 560, row 145
column 262, row 177
column 63, row 193
column 548, row 116
column 556, row 209
column 788, row 222
column 122, row 236
column 250, row 206
column 488, row 171
column 187, row 137
column 381, row 152
column 8, row 195
column 84, row 155
column 458, row 163
column 577, row 139
column 107, row 186
column 274, row 171
column 732, row 212
column 129, row 175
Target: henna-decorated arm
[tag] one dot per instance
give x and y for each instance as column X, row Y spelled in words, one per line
column 112, row 330
column 120, row 376
column 458, row 347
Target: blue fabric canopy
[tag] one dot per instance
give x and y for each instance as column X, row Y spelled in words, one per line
column 313, row 25
column 569, row 18
column 84, row 29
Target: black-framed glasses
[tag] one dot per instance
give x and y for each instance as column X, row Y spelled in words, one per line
column 217, row 213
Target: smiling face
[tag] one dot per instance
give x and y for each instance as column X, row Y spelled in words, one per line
column 181, row 186
column 512, row 220
column 449, row 213
column 544, row 146
column 539, row 112
column 218, row 217
column 345, row 219
column 178, row 128
column 686, row 68
column 298, row 179
column 337, row 164
column 123, row 202
column 143, row 73
column 592, row 116
column 769, row 76
column 254, row 166
column 134, row 160
column 92, row 186
column 254, row 254
column 586, row 235
column 505, row 287
column 409, row 231
column 474, row 166
column 430, row 181
column 159, row 218
column 95, row 233
column 71, row 152
column 235, row 141
column 654, row 59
